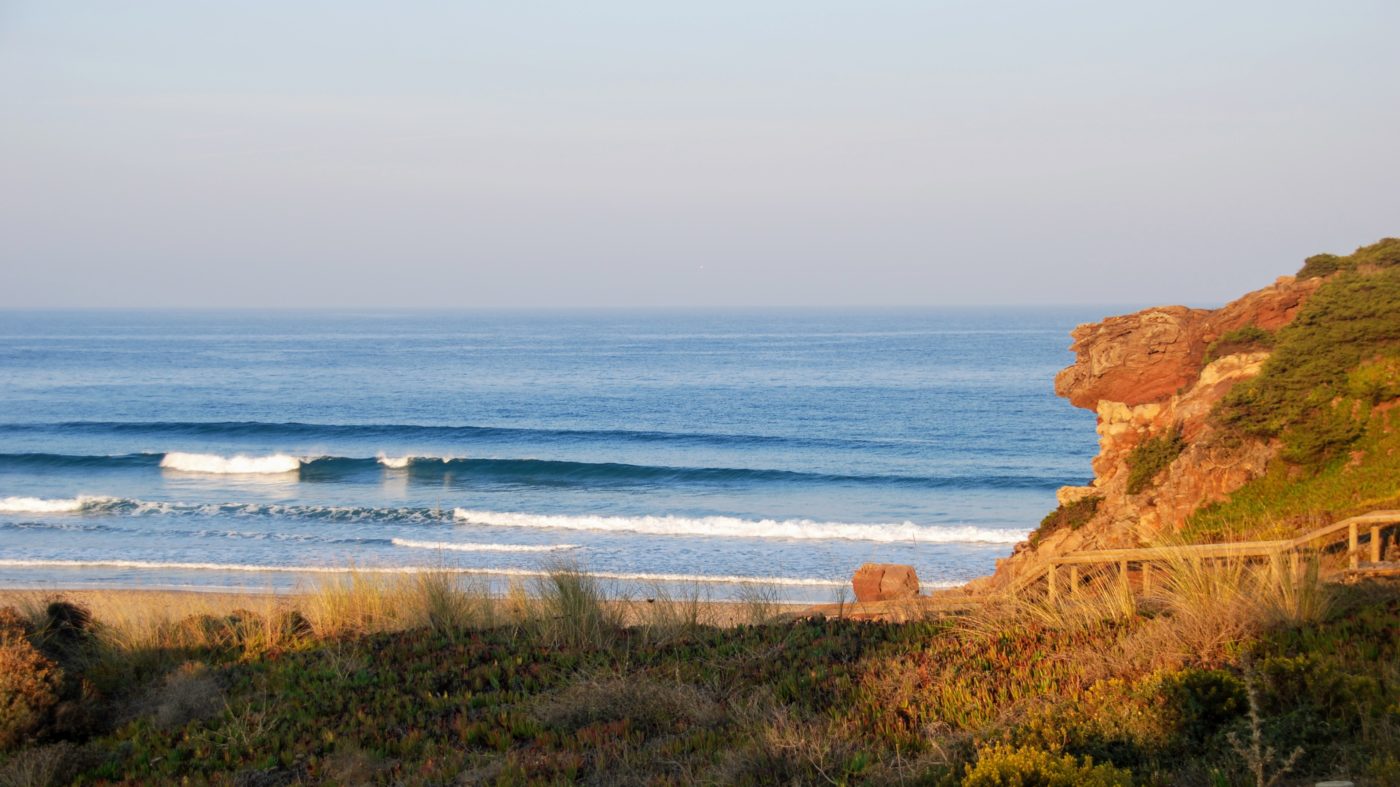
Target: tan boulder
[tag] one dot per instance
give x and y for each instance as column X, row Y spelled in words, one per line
column 885, row 582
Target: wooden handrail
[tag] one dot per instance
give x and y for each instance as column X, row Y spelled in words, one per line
column 1351, row 526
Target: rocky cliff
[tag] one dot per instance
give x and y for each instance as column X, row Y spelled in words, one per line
column 1153, row 378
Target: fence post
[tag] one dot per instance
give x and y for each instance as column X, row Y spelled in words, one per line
column 1074, row 580
column 1375, row 543
column 1293, row 562
column 1146, row 568
column 1123, row 576
column 1353, row 559
column 1050, row 582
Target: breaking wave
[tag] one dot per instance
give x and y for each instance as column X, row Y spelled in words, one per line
column 450, row 546
column 719, row 526
column 231, row 465
column 733, row 527
column 524, row 472
column 37, row 505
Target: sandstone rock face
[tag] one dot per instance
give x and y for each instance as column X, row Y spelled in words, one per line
column 1143, row 374
column 1148, row 356
column 885, row 582
column 1067, row 495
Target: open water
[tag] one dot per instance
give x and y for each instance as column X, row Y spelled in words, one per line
column 259, row 449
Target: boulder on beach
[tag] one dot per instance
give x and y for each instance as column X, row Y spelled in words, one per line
column 885, row 582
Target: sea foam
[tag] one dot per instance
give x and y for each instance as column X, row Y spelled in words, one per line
column 451, row 546
column 37, row 505
column 231, row 465
column 732, row 527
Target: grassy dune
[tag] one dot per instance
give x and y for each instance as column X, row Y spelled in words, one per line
column 1226, row 675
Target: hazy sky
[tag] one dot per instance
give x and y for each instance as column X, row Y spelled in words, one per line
column 649, row 153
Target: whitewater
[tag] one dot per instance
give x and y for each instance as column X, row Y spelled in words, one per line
column 203, row 450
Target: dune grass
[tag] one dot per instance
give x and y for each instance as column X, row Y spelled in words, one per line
column 427, row 679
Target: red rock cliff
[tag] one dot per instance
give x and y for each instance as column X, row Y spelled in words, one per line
column 1142, row 374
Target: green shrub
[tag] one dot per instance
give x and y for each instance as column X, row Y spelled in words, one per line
column 1243, row 339
column 1320, row 265
column 1150, row 457
column 1004, row 766
column 1375, row 381
column 1349, row 321
column 1383, row 253
column 1071, row 515
column 1203, row 701
column 1323, row 432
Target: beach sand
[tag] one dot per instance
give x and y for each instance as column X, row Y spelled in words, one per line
column 127, row 606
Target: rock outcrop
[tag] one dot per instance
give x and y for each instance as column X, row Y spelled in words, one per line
column 885, row 582
column 1147, row 357
column 1145, row 375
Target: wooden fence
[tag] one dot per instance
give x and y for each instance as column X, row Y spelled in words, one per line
column 1372, row 527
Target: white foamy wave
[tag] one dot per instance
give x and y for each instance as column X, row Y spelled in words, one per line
column 732, row 527
column 37, row 505
column 157, row 565
column 401, row 462
column 231, row 465
column 459, row 547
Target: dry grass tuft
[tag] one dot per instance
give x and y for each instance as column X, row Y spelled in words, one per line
column 759, row 603
column 189, row 693
column 667, row 615
column 42, row 766
column 786, row 746
column 572, row 610
column 355, row 603
column 1198, row 611
column 352, row 765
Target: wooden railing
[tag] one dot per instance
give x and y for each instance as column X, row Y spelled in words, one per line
column 1372, row 526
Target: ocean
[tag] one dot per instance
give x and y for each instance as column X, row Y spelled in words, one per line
column 257, row 450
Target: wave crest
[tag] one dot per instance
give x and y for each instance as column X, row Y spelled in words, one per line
column 231, row 465
column 450, row 546
column 733, row 527
column 38, row 505
column 395, row 462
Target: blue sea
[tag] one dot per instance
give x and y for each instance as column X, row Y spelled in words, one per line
column 258, row 450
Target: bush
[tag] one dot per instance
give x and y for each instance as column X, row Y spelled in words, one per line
column 1244, row 339
column 1320, row 265
column 1150, row 457
column 1383, row 253
column 1203, row 701
column 1072, row 515
column 1376, row 381
column 13, row 623
column 1323, row 432
column 1004, row 766
column 29, row 689
column 1349, row 321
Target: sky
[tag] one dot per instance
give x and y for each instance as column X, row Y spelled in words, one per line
column 707, row 154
